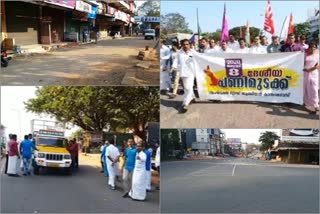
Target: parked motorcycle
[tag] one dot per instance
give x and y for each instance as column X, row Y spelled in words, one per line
column 4, row 58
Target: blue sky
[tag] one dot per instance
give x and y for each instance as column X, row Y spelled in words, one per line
column 238, row 12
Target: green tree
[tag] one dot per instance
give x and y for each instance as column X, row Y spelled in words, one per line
column 77, row 134
column 149, row 8
column 99, row 108
column 214, row 35
column 302, row 29
column 174, row 23
column 253, row 32
column 267, row 140
column 170, row 141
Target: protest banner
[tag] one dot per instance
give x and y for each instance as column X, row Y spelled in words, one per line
column 273, row 78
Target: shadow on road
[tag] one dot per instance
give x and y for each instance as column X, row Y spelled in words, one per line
column 285, row 110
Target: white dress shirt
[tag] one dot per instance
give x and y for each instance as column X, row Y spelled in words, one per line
column 242, row 50
column 233, row 45
column 258, row 49
column 184, row 63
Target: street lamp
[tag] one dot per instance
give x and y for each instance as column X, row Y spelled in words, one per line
column 19, row 118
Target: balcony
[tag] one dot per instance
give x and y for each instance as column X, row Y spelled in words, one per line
column 121, row 5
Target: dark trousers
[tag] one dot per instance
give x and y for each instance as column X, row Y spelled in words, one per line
column 6, row 166
column 73, row 162
column 77, row 161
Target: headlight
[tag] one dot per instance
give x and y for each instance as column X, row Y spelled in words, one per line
column 66, row 157
column 41, row 155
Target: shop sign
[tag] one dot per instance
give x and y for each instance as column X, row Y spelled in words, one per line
column 93, row 14
column 121, row 16
column 111, row 10
column 146, row 19
column 64, row 3
column 83, row 6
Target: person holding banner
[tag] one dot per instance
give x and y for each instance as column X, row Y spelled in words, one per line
column 242, row 48
column 275, row 46
column 311, row 79
column 224, row 48
column 213, row 46
column 204, row 46
column 184, row 64
column 291, row 46
column 264, row 43
column 233, row 44
column 257, row 47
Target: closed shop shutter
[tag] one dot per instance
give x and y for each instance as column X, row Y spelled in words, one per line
column 22, row 22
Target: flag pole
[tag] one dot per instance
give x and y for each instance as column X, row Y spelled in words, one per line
column 198, row 26
column 285, row 19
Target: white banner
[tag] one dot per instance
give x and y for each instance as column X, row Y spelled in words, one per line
column 83, row 6
column 272, row 78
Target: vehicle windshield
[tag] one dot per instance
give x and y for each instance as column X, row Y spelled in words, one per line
column 149, row 31
column 58, row 142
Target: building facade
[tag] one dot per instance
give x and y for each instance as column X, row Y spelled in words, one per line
column 314, row 21
column 54, row 21
column 297, row 146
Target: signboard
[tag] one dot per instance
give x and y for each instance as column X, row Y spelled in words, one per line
column 146, row 19
column 51, row 133
column 83, row 6
column 96, row 137
column 234, row 141
column 111, row 10
column 63, row 3
column 93, row 14
column 121, row 16
column 273, row 78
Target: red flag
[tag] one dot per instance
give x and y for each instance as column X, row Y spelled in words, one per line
column 268, row 21
column 290, row 28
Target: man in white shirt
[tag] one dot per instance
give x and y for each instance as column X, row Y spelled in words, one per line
column 224, row 48
column 184, row 64
column 204, row 46
column 165, row 54
column 112, row 156
column 213, row 46
column 233, row 44
column 257, row 48
column 242, row 48
column 138, row 189
column 264, row 42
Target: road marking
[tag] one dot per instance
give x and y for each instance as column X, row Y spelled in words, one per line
column 234, row 168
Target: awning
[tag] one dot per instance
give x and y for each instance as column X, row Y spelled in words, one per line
column 292, row 148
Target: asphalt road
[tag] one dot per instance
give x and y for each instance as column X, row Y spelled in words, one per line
column 238, row 186
column 85, row 191
column 105, row 63
column 226, row 114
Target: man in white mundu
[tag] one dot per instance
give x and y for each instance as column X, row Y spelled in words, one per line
column 112, row 154
column 138, row 189
column 184, row 64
